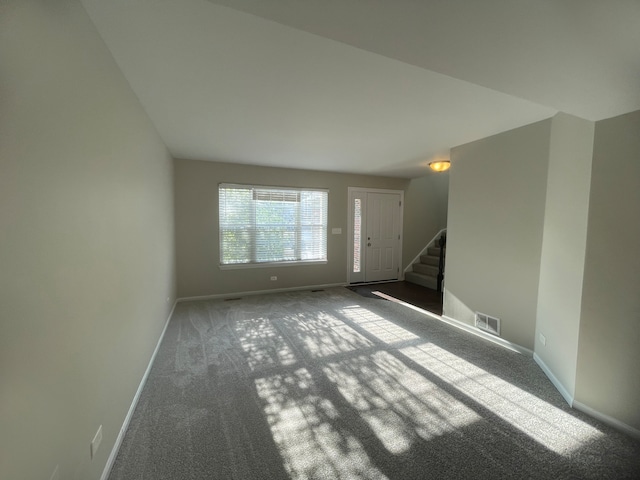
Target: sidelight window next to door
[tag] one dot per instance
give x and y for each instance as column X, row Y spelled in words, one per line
column 357, row 233
column 375, row 225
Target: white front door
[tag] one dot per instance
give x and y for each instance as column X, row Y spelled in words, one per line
column 383, row 237
column 375, row 225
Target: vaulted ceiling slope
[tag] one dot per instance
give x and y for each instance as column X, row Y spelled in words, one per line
column 378, row 87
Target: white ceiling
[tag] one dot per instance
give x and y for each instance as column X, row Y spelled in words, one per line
column 378, row 87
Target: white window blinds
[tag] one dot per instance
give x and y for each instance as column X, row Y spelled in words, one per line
column 271, row 224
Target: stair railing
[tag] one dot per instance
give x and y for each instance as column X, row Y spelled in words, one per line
column 432, row 242
column 442, row 242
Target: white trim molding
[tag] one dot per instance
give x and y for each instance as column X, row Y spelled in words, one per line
column 134, row 402
column 612, row 422
column 462, row 326
column 556, row 383
column 259, row 292
column 487, row 336
column 606, row 419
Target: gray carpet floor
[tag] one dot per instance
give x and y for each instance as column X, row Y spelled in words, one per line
column 333, row 385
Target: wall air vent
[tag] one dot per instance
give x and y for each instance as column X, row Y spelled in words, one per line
column 488, row 324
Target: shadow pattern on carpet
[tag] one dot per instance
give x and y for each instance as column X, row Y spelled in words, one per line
column 332, row 385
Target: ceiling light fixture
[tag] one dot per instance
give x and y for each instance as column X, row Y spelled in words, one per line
column 440, row 165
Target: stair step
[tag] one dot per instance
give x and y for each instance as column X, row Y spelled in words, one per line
column 430, row 260
column 420, row 279
column 425, row 269
column 435, row 251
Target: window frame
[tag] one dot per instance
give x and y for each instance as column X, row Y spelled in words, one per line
column 253, row 263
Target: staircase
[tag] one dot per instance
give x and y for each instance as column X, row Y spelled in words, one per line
column 424, row 271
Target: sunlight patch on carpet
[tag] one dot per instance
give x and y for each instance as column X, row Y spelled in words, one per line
column 381, row 328
column 322, row 335
column 308, row 431
column 262, row 345
column 556, row 430
column 399, row 405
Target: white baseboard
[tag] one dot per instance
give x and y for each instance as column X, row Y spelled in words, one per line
column 487, row 336
column 606, row 419
column 612, row 422
column 462, row 326
column 556, row 383
column 259, row 292
column 134, row 403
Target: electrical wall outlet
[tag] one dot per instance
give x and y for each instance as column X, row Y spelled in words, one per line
column 273, row 278
column 543, row 340
column 95, row 443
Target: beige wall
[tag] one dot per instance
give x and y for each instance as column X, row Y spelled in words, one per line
column 542, row 232
column 563, row 247
column 497, row 191
column 86, row 244
column 86, row 250
column 609, row 350
column 197, row 243
column 425, row 212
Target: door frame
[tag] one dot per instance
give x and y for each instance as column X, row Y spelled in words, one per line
column 350, row 230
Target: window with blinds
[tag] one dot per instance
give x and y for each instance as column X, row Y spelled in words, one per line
column 271, row 224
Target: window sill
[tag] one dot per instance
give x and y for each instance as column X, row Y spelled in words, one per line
column 241, row 266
